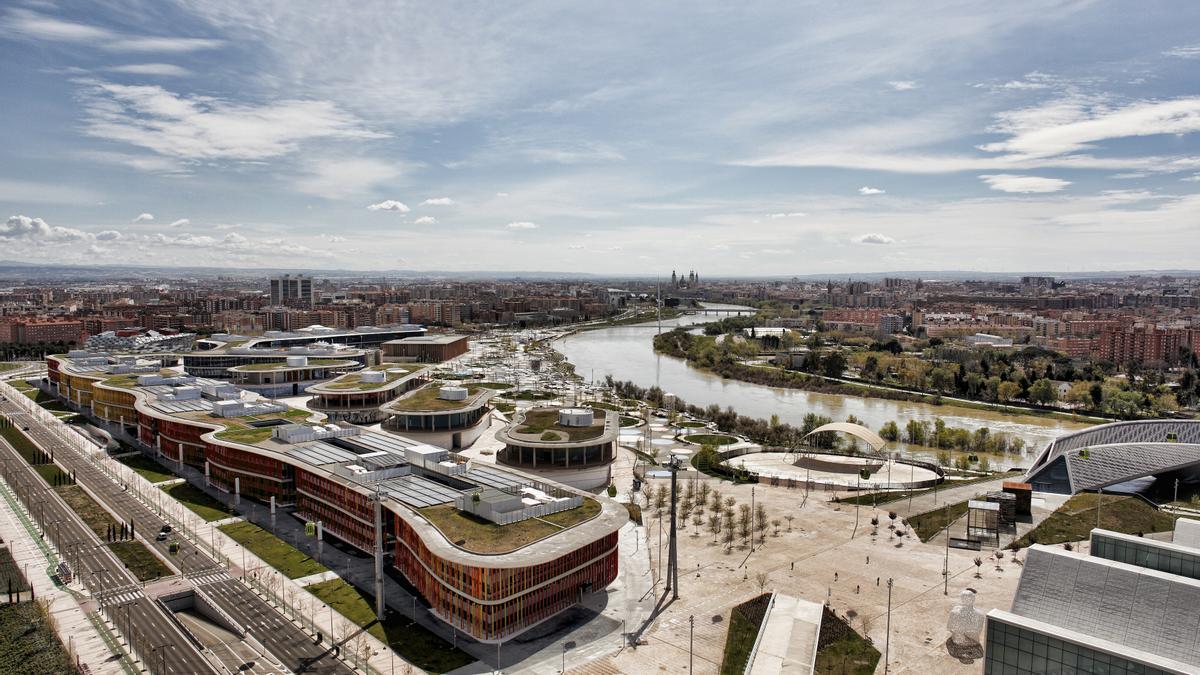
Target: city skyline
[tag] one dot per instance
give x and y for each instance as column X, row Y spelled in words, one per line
column 805, row 139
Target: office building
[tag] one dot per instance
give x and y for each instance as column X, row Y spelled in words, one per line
column 292, row 290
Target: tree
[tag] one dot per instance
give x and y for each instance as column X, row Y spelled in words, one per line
column 745, row 523
column 889, row 431
column 1080, row 394
column 660, row 498
column 775, row 524
column 761, row 579
column 978, row 564
column 834, row 364
column 892, row 516
column 1008, row 391
column 1043, row 392
column 789, row 518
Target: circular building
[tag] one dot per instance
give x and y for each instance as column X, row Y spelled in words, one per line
column 448, row 416
column 572, row 446
column 358, row 397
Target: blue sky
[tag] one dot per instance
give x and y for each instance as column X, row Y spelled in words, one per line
column 621, row 137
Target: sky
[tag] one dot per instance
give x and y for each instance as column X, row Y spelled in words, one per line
column 756, row 138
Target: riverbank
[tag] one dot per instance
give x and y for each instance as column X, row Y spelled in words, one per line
column 673, row 345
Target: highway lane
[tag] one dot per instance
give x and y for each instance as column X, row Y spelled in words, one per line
column 142, row 622
column 282, row 638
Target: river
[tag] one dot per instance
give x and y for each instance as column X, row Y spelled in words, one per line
column 627, row 353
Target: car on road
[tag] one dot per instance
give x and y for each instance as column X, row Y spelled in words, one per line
column 165, row 529
column 161, row 536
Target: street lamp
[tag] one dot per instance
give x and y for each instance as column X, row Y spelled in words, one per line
column 566, row 645
column 887, row 640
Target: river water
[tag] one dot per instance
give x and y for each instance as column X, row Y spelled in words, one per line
column 627, row 353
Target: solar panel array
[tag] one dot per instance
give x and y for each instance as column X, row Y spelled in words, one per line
column 193, row 405
column 321, row 453
column 489, row 477
column 419, row 492
column 369, row 442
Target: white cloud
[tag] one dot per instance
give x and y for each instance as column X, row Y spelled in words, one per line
column 902, row 85
column 1072, row 124
column 389, row 205
column 143, row 218
column 791, row 214
column 438, row 201
column 38, row 230
column 1194, row 178
column 865, row 190
column 206, row 128
column 182, row 222
column 1008, row 182
column 425, row 220
column 162, row 69
column 874, row 238
column 228, row 226
column 108, row 235
column 1184, row 52
column 522, row 225
column 33, row 25
column 347, row 177
column 143, row 162
column 575, row 247
column 501, row 194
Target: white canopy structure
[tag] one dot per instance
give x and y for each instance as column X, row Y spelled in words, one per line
column 857, row 430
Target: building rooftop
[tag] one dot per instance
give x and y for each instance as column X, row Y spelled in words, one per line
column 543, row 426
column 433, row 339
column 394, row 374
column 428, row 399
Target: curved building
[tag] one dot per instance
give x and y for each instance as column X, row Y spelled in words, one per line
column 493, row 551
column 572, row 446
column 1110, row 454
column 291, row 377
column 449, row 416
column 358, row 397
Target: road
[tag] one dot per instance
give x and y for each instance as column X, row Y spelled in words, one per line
column 282, row 638
column 162, row 646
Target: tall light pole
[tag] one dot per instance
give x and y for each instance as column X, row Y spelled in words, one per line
column 887, row 640
column 691, row 640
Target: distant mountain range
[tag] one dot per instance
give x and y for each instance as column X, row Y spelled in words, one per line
column 16, row 272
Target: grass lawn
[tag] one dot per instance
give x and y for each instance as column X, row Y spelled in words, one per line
column 692, row 425
column 28, row 643
column 1074, row 520
column 53, row 475
column 530, row 396
column 139, row 560
column 147, row 468
column 926, row 525
column 744, row 622
column 195, row 499
column 605, row 406
column 481, row 536
column 841, row 650
column 4, row 367
column 274, row 551
column 92, row 514
column 629, row 421
column 414, row 643
column 493, row 385
column 20, row 442
column 710, row 439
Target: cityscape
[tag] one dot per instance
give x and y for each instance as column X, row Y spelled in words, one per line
column 599, row 340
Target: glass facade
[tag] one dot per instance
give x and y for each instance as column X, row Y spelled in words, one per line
column 1146, row 553
column 1014, row 650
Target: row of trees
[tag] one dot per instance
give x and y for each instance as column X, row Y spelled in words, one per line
column 722, row 515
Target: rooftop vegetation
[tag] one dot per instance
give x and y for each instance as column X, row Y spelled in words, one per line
column 481, row 536
column 544, row 422
column 426, row 399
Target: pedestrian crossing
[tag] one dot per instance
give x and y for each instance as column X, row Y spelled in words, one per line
column 119, row 596
column 210, row 576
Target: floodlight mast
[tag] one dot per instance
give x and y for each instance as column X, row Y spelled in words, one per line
column 672, row 544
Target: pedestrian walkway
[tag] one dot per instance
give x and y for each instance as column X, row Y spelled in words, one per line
column 76, row 630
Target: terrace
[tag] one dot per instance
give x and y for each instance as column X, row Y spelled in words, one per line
column 476, row 535
column 543, row 425
column 426, row 399
column 393, row 373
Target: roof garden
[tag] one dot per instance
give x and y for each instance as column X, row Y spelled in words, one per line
column 426, row 399
column 354, row 381
column 476, row 535
column 243, row 429
column 282, row 365
column 543, row 423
